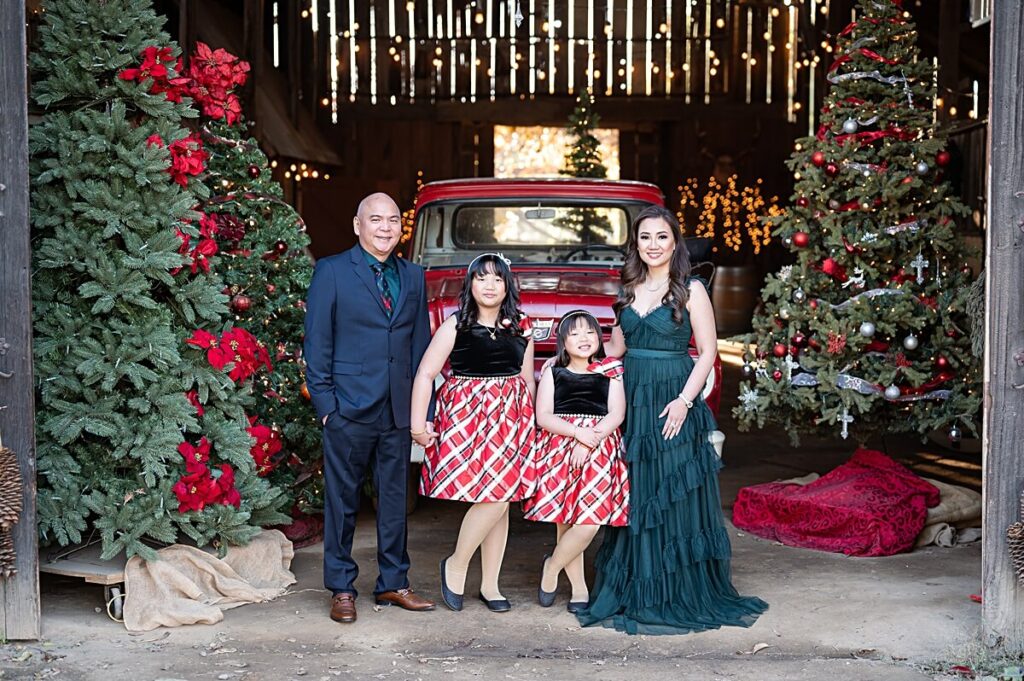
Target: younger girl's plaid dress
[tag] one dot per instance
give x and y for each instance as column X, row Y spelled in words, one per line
column 597, row 493
column 484, row 421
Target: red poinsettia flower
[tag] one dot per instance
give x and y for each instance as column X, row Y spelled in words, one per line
column 187, row 158
column 202, row 339
column 201, row 253
column 154, row 139
column 154, row 68
column 193, row 399
column 195, row 457
column 268, row 443
column 229, row 495
column 196, row 490
column 208, row 225
column 214, row 73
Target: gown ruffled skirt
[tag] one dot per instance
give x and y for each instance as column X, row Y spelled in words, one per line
column 668, row 572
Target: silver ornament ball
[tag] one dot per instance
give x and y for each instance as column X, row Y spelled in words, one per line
column 850, row 126
column 892, row 392
column 867, row 329
column 784, row 312
column 747, row 370
column 955, row 434
column 787, row 241
column 910, row 342
column 922, row 168
column 799, row 296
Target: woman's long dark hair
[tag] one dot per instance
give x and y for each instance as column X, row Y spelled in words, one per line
column 565, row 327
column 490, row 263
column 634, row 270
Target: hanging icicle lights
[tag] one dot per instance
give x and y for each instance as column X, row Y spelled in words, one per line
column 396, row 51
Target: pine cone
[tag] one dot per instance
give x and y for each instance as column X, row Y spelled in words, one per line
column 1015, row 540
column 10, row 488
column 6, row 554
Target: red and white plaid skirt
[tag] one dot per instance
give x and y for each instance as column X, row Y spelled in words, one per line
column 484, row 451
column 596, row 494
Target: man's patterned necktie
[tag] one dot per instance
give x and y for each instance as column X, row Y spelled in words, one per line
column 382, row 286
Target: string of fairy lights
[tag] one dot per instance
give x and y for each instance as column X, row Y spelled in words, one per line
column 392, row 51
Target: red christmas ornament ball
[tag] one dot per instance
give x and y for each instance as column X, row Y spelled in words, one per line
column 801, row 239
column 777, row 375
column 818, row 158
column 813, row 303
column 832, row 169
column 941, row 362
column 908, row 179
column 779, row 350
column 942, row 158
column 802, row 202
column 271, row 288
column 254, row 171
column 280, row 247
column 951, row 333
column 798, row 340
column 241, row 303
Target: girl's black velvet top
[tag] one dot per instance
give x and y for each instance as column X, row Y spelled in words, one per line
column 580, row 393
column 477, row 354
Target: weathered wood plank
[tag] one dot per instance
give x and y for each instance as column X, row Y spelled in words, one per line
column 19, row 596
column 1003, row 609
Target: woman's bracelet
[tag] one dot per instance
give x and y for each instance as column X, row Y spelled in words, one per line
column 417, row 432
column 688, row 403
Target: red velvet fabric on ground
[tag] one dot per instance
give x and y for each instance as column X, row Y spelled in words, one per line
column 869, row 506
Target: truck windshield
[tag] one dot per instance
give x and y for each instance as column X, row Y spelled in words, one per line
column 454, row 233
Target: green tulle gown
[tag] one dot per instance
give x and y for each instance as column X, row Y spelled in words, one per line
column 668, row 571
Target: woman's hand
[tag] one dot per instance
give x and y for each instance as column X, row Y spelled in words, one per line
column 587, row 436
column 548, row 363
column 425, row 437
column 676, row 412
column 579, row 456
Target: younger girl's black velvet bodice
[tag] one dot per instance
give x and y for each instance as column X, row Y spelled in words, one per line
column 580, row 393
column 477, row 354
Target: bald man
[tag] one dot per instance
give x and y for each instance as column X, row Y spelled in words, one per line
column 366, row 330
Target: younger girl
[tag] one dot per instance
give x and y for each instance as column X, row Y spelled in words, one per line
column 484, row 426
column 581, row 480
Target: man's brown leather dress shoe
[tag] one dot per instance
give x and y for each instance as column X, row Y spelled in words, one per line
column 343, row 608
column 404, row 598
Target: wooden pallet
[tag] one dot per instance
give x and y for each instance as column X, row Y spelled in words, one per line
column 85, row 563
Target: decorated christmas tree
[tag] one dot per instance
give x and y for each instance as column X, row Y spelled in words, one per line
column 583, row 159
column 144, row 384
column 262, row 242
column 867, row 332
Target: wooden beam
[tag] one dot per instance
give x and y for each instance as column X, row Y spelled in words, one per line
column 19, row 595
column 1003, row 606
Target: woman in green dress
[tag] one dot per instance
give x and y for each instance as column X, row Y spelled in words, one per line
column 668, row 571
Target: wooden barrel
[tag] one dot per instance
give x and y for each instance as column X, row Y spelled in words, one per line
column 734, row 296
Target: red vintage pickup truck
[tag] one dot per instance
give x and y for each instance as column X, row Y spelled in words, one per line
column 565, row 238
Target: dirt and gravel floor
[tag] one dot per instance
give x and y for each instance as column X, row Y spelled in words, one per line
column 831, row 617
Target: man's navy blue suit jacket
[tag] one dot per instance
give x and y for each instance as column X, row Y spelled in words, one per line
column 356, row 356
